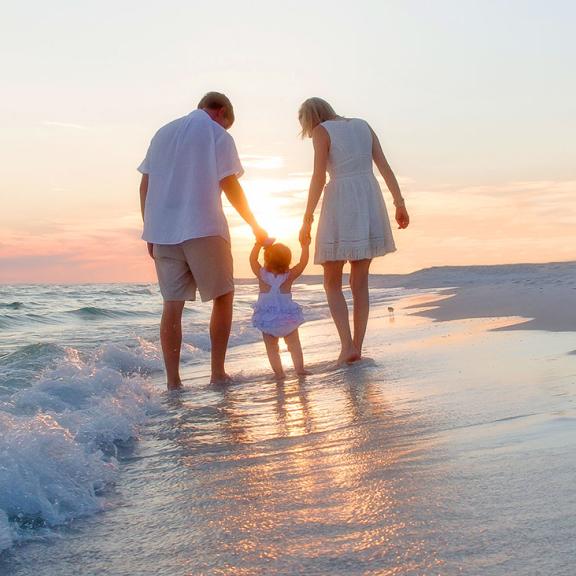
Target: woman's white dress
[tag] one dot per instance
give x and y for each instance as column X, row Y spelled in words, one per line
column 276, row 313
column 354, row 223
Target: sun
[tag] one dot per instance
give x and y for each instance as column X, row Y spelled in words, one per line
column 278, row 205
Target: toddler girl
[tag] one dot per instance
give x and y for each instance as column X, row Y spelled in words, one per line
column 275, row 314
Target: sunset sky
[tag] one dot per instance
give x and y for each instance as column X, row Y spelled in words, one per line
column 474, row 102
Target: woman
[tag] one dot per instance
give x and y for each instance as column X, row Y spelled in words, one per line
column 354, row 224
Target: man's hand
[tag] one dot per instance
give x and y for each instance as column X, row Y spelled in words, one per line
column 402, row 217
column 150, row 249
column 260, row 234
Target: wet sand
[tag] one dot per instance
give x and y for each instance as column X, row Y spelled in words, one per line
column 448, row 450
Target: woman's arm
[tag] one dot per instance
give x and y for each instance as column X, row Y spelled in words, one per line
column 254, row 264
column 301, row 266
column 321, row 143
column 391, row 182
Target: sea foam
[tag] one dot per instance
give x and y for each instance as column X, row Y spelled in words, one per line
column 59, row 438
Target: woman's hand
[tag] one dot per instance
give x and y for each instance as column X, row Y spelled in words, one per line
column 402, row 217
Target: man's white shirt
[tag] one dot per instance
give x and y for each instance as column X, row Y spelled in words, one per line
column 185, row 162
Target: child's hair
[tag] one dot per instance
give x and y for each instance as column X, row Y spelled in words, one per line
column 277, row 258
column 312, row 112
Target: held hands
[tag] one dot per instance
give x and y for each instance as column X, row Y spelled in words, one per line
column 305, row 236
column 260, row 234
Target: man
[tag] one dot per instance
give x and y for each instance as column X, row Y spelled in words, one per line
column 189, row 163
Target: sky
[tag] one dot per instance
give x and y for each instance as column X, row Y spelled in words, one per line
column 474, row 102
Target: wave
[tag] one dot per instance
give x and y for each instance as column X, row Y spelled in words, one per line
column 89, row 313
column 32, row 355
column 23, row 367
column 60, row 436
column 12, row 305
column 12, row 321
column 95, row 313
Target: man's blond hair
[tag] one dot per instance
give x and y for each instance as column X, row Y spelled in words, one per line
column 215, row 101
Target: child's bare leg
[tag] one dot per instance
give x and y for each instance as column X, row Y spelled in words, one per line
column 273, row 352
column 295, row 349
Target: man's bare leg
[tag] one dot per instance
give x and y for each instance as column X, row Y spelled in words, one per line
column 339, row 310
column 220, row 326
column 171, row 339
column 361, row 296
column 273, row 352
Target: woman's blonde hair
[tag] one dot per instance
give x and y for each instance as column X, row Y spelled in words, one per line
column 312, row 112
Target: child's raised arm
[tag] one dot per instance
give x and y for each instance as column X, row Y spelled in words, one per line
column 304, row 257
column 254, row 264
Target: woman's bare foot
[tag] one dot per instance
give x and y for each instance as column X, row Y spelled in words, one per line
column 303, row 372
column 348, row 356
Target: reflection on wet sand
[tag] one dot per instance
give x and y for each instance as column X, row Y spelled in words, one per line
column 301, row 474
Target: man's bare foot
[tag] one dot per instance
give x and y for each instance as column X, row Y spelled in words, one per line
column 174, row 385
column 303, row 372
column 280, row 375
column 221, row 379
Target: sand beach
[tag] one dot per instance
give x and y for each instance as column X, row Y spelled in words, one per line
column 448, row 450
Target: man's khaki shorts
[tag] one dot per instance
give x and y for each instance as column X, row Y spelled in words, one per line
column 200, row 263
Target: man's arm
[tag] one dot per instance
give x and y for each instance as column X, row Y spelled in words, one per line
column 235, row 194
column 143, row 194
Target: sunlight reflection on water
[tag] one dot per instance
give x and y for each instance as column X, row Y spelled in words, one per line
column 303, row 475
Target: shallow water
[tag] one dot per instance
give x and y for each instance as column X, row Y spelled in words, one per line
column 449, row 451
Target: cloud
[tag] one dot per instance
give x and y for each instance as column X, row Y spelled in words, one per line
column 501, row 223
column 261, row 162
column 98, row 250
column 64, row 125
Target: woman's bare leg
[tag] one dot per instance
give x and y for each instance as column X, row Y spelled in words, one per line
column 359, row 286
column 295, row 349
column 273, row 352
column 339, row 310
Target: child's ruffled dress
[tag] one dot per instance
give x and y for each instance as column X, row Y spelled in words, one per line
column 275, row 313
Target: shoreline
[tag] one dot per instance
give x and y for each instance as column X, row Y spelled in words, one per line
column 403, row 462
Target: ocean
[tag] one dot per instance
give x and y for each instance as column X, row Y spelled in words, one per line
column 349, row 471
